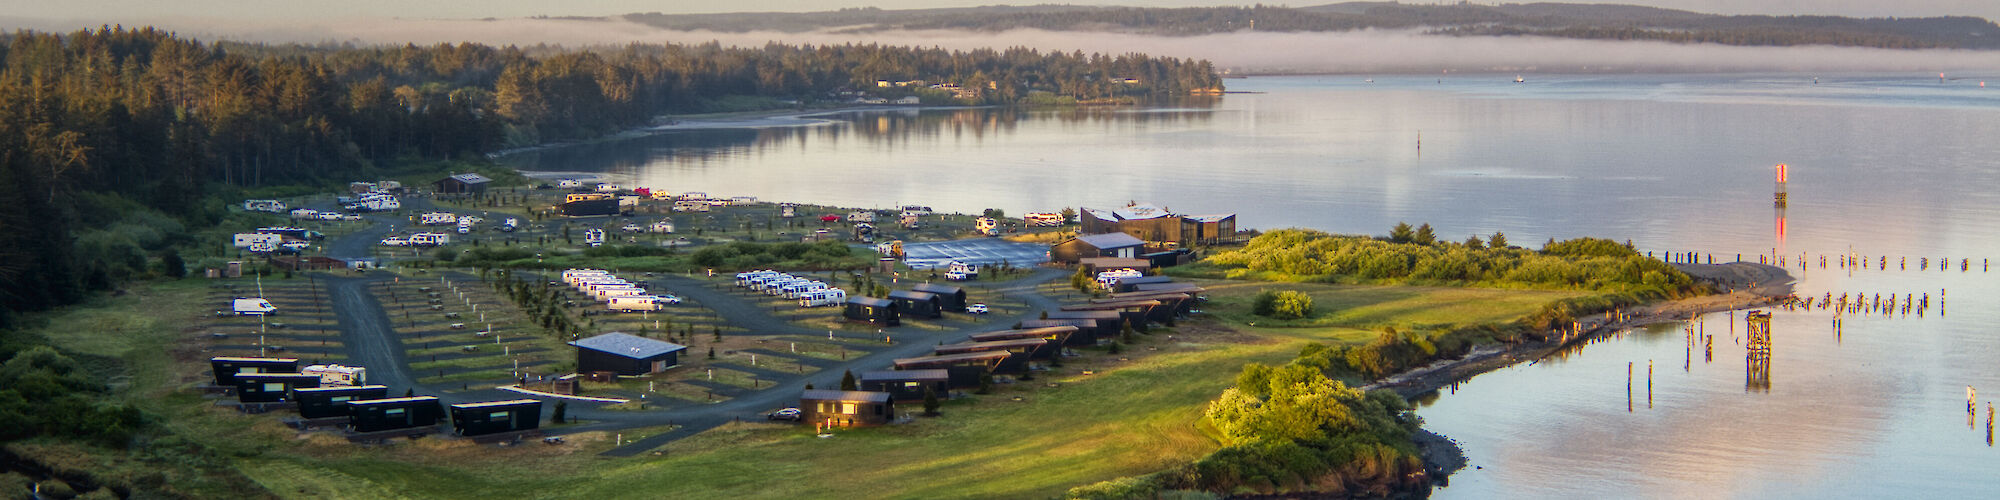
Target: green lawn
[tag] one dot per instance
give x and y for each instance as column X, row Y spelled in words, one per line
column 1351, row 313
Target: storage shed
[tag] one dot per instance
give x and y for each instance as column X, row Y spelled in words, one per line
column 872, row 310
column 951, row 298
column 226, row 368
column 394, row 413
column 323, row 402
column 920, row 305
column 461, row 184
column 964, row 368
column 271, row 387
column 492, row 417
column 626, row 354
column 1118, row 245
column 908, row 385
column 846, row 408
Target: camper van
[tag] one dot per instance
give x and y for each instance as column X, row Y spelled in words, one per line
column 634, row 303
column 916, row 209
column 663, row 227
column 987, row 226
column 826, row 297
column 337, row 375
column 594, row 237
column 960, row 271
column 429, row 239
column 861, row 216
column 568, row 183
column 439, row 218
column 245, row 240
column 272, row 206
column 787, row 211
column 253, row 306
column 1043, row 219
column 294, row 232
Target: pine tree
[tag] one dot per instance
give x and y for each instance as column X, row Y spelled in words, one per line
column 1401, row 233
column 1499, row 240
column 847, row 382
column 561, row 412
column 711, row 352
column 718, row 332
column 930, row 402
column 1425, row 236
column 985, row 383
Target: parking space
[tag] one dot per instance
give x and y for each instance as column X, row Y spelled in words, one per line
column 980, row 251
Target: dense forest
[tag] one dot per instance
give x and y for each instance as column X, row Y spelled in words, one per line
column 113, row 142
column 1585, row 21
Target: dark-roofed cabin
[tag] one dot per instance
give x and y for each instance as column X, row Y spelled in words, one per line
column 1118, row 245
column 394, row 413
column 872, row 310
column 1168, row 287
column 1022, row 350
column 1057, row 336
column 1109, row 323
column 271, row 387
column 920, row 305
column 1087, row 331
column 226, row 368
column 908, row 385
column 1174, row 303
column 586, row 208
column 964, row 368
column 1136, row 312
column 626, row 354
column 323, row 402
column 951, row 298
column 1101, row 264
column 491, row 417
column 1132, row 284
column 461, row 184
column 1169, row 258
column 846, row 408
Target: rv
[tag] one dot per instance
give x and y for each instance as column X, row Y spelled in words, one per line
column 272, row 206
column 908, row 221
column 626, row 202
column 465, row 225
column 743, row 278
column 594, row 237
column 576, row 197
column 395, row 241
column 294, row 232
column 691, row 206
column 663, row 227
column 337, row 375
column 861, row 216
column 305, row 213
column 960, row 271
column 292, row 247
column 795, row 290
column 245, row 240
column 606, row 187
column 916, row 209
column 1043, row 219
column 987, row 226
column 892, row 248
column 429, row 239
column 606, row 294
column 826, row 297
column 510, row 225
column 568, row 183
column 787, row 211
column 743, row 200
column 634, row 303
column 661, row 195
column 439, row 218
column 253, row 306
column 694, row 196
column 1109, row 279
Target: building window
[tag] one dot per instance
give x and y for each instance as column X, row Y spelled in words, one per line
column 848, row 408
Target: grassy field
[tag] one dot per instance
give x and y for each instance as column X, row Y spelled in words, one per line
column 1352, row 313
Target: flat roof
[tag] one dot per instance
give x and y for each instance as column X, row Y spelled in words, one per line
column 1077, row 323
column 1135, row 211
column 1211, row 218
column 937, row 289
column 953, row 358
column 627, row 345
column 341, row 388
column 1109, row 241
column 1154, row 295
column 254, row 376
column 869, row 301
column 826, row 395
column 912, row 295
column 906, row 375
column 1096, row 306
column 1083, row 315
column 1109, row 262
column 488, row 404
column 471, row 178
column 413, row 399
column 1144, row 280
column 1169, row 287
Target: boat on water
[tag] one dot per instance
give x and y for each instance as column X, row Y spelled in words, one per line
column 1518, row 79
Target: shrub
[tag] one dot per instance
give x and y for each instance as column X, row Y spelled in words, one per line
column 1292, row 305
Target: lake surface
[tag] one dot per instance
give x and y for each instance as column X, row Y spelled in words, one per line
column 1903, row 166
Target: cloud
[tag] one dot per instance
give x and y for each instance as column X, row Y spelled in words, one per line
column 1371, row 51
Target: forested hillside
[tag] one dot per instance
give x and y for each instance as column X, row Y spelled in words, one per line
column 113, row 141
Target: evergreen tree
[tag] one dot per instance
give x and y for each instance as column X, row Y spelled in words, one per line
column 1424, row 235
column 1499, row 240
column 1401, row 233
column 847, row 382
column 171, row 264
column 985, row 383
column 561, row 412
column 930, row 402
column 1473, row 242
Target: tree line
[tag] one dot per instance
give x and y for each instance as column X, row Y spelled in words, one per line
column 1417, row 257
column 146, row 128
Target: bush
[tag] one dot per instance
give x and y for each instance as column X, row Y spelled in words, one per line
column 1292, row 305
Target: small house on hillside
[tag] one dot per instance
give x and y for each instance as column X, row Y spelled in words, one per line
column 1056, row 335
column 846, row 408
column 625, row 354
column 394, row 413
column 461, row 184
column 271, row 387
column 1022, row 350
column 226, row 367
column 872, row 310
column 1087, row 331
column 1119, row 245
column 908, row 385
column 491, row 417
column 951, row 298
column 920, row 305
column 325, row 402
column 964, row 368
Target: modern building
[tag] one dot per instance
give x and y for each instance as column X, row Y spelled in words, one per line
column 1159, row 225
column 325, row 402
column 908, row 385
column 461, row 184
column 625, row 354
column 1021, row 349
column 919, row 305
column 1056, row 335
column 1119, row 245
column 492, row 417
column 846, row 408
column 394, row 413
column 226, row 368
column 872, row 310
column 271, row 387
column 1087, row 332
column 951, row 298
column 964, row 369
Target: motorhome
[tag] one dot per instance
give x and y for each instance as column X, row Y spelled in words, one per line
column 272, row 206
column 787, row 211
column 634, row 303
column 987, row 226
column 594, row 237
column 691, row 206
column 960, row 271
column 861, row 216
column 1043, row 219
column 568, row 183
column 663, row 227
column 606, row 187
column 430, row 239
column 908, row 221
column 916, row 209
column 826, row 297
column 245, row 240
column 743, row 200
column 252, row 306
column 576, row 197
column 694, row 196
column 465, row 225
column 293, row 232
column 1109, row 279
column 438, row 218
column 305, row 213
column 337, row 375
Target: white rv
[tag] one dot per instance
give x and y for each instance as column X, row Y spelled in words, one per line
column 663, row 227
column 634, row 303
column 606, row 187
column 827, row 297
column 305, row 213
column 272, row 206
column 594, row 237
column 861, row 216
column 253, row 306
column 337, row 375
column 569, row 183
column 246, row 240
column 439, row 218
column 960, row 271
column 1043, row 219
column 430, row 239
column 788, row 211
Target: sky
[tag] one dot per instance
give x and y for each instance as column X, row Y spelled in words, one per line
column 142, row 11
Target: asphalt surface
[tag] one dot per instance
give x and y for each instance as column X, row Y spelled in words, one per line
column 977, row 251
column 372, row 342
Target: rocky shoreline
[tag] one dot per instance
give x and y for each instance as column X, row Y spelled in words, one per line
column 1748, row 285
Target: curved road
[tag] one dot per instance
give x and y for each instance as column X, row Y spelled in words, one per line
column 372, row 342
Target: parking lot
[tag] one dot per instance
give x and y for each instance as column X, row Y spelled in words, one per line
column 980, row 251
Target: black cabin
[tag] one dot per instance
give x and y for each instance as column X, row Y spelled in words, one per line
column 473, row 419
column 1057, row 336
column 1108, row 322
column 226, row 368
column 1087, row 331
column 920, row 305
column 1130, row 284
column 964, row 368
column 394, row 413
column 625, row 354
column 951, row 298
column 323, row 402
column 872, row 310
column 908, row 385
column 1021, row 350
column 461, row 184
column 586, row 208
column 271, row 387
column 846, row 408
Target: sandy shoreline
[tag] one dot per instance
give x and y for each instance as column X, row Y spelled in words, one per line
column 1750, row 285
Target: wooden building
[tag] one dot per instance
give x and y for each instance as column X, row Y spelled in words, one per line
column 1132, row 284
column 1169, row 258
column 919, row 305
column 324, row 402
column 1087, row 332
column 491, row 417
column 1057, row 336
column 1177, row 303
column 1118, row 245
column 625, row 354
column 394, row 413
column 271, row 387
column 1136, row 312
column 461, row 184
column 1022, row 350
column 951, row 298
column 1100, row 264
column 846, row 408
column 587, row 208
column 872, row 310
column 964, row 368
column 1160, row 226
column 908, row 385
column 1187, row 288
column 225, row 368
column 1108, row 323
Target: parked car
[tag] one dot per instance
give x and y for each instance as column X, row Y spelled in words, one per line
column 670, row 299
column 791, row 414
column 975, row 309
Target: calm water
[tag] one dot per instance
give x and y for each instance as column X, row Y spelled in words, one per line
column 1897, row 165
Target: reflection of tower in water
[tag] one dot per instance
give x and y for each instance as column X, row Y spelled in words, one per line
column 1757, row 359
column 1779, row 199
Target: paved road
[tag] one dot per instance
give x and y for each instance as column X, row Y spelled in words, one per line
column 371, row 341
